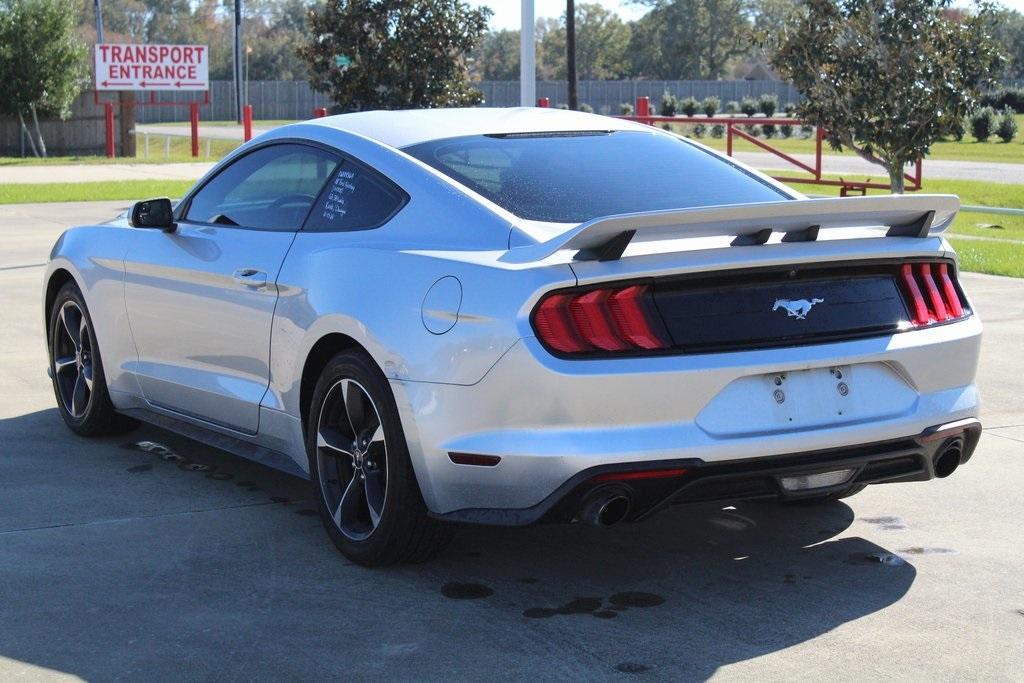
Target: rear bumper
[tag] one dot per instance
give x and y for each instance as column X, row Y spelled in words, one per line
column 554, row 423
column 901, row 460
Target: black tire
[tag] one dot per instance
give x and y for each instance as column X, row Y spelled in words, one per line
column 827, row 498
column 345, row 458
column 95, row 415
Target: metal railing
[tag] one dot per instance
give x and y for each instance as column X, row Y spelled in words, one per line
column 734, row 128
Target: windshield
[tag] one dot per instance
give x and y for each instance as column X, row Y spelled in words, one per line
column 574, row 177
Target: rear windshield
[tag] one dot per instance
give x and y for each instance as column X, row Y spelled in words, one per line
column 574, row 177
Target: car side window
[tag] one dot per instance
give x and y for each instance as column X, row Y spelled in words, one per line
column 356, row 198
column 271, row 188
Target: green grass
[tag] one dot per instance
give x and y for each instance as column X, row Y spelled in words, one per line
column 966, row 150
column 994, row 258
column 83, row 192
column 989, row 225
column 180, row 149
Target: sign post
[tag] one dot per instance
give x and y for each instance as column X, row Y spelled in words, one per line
column 174, row 68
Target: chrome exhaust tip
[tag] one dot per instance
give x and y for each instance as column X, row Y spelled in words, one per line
column 605, row 508
column 949, row 457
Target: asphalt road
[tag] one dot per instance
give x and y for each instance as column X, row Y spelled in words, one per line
column 186, row 563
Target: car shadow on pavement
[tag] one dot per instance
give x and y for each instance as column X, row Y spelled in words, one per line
column 149, row 554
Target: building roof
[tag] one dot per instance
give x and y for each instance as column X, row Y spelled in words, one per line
column 413, row 126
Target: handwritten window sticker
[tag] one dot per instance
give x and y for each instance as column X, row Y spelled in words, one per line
column 343, row 186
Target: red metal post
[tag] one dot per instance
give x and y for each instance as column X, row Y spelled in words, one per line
column 643, row 107
column 247, row 122
column 728, row 139
column 819, row 135
column 194, row 117
column 543, row 102
column 108, row 121
column 320, row 112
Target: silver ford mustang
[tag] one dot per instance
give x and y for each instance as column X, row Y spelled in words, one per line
column 507, row 316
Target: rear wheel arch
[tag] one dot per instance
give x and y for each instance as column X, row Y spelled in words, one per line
column 58, row 279
column 317, row 359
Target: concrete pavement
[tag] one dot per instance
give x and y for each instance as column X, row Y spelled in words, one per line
column 120, row 561
column 87, row 173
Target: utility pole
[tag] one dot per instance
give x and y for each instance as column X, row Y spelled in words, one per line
column 570, row 51
column 238, row 61
column 97, row 5
column 527, row 58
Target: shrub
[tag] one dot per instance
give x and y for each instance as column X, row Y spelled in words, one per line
column 563, row 105
column 748, row 106
column 689, row 106
column 699, row 130
column 669, row 104
column 786, row 130
column 732, row 107
column 790, row 108
column 983, row 123
column 754, row 130
column 1007, row 128
column 769, row 130
column 626, row 109
column 1005, row 97
column 710, row 106
column 717, row 130
column 768, row 104
column 807, row 130
column 584, row 107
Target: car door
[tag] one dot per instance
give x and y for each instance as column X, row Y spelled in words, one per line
column 201, row 299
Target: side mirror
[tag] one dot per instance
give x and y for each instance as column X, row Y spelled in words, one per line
column 152, row 213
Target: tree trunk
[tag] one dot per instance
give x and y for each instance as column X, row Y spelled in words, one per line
column 39, row 134
column 26, row 133
column 896, row 177
column 126, row 122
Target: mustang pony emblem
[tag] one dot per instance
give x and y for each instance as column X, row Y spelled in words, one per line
column 796, row 309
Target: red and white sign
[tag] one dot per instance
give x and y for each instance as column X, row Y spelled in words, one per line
column 152, row 67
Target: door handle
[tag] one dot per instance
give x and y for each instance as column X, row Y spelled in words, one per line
column 250, row 277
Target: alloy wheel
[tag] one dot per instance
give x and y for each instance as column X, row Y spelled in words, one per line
column 73, row 360
column 351, row 456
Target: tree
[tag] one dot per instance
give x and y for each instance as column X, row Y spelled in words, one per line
column 496, row 58
column 394, row 54
column 689, row 38
column 887, row 78
column 770, row 18
column 1007, row 28
column 43, row 63
column 602, row 45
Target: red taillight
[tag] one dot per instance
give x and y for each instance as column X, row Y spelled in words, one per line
column 627, row 309
column 555, row 327
column 938, row 306
column 613, row 319
column 949, row 290
column 590, row 314
column 930, row 293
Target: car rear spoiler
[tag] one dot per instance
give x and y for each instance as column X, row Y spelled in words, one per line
column 799, row 220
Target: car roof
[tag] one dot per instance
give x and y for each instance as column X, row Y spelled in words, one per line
column 412, row 126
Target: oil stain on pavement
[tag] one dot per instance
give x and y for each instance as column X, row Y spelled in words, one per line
column 595, row 607
column 466, row 591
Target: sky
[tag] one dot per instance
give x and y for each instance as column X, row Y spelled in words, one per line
column 506, row 12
